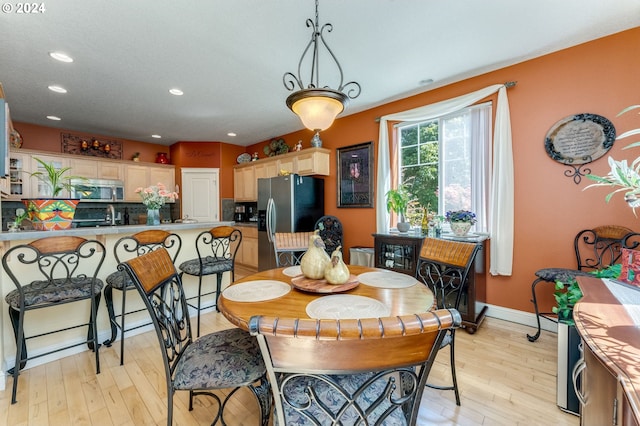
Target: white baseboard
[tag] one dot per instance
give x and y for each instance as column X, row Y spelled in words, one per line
column 519, row 317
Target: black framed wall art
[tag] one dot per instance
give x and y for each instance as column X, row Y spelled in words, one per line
column 355, row 175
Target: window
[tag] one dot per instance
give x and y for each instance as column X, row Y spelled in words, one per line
column 445, row 162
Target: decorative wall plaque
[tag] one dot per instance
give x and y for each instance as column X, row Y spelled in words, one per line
column 579, row 139
column 91, row 146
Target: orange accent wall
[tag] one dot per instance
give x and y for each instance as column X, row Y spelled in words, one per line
column 599, row 77
column 48, row 139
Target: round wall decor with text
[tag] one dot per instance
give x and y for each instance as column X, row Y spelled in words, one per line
column 579, row 139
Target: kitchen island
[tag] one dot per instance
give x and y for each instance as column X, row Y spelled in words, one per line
column 58, row 317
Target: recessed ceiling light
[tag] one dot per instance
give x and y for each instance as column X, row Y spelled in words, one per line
column 58, row 89
column 62, row 57
column 54, row 118
column 156, row 136
column 425, row 82
column 176, row 92
column 231, row 134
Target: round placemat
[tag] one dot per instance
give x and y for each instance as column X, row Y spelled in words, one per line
column 292, row 271
column 256, row 291
column 347, row 306
column 387, row 279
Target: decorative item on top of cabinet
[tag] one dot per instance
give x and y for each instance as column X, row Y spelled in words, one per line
column 161, row 158
column 90, row 146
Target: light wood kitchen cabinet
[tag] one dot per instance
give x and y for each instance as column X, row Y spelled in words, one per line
column 265, row 170
column 110, row 170
column 245, row 186
column 312, row 161
column 137, row 175
column 248, row 250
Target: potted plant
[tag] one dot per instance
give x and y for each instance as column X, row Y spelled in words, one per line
column 398, row 201
column 461, row 221
column 50, row 212
column 626, row 178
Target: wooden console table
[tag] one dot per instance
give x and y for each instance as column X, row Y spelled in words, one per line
column 400, row 253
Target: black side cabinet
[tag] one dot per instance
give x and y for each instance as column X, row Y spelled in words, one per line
column 400, row 253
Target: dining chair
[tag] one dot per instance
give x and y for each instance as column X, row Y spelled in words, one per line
column 227, row 359
column 594, row 249
column 126, row 248
column 350, row 371
column 330, row 229
column 289, row 247
column 444, row 267
column 216, row 248
column 67, row 269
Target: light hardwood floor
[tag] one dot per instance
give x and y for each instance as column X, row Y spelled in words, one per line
column 503, row 379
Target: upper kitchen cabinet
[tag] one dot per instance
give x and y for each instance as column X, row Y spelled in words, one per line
column 138, row 175
column 96, row 168
column 245, row 186
column 312, row 161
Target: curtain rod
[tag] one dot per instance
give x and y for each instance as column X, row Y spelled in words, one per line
column 507, row 84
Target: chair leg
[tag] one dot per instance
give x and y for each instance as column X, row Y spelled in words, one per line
column 199, row 299
column 108, row 299
column 262, row 393
column 122, row 316
column 17, row 321
column 452, row 360
column 534, row 300
column 93, row 330
column 219, row 288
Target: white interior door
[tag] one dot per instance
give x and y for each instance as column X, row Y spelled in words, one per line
column 201, row 194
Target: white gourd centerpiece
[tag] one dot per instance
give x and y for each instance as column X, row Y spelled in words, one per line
column 315, row 260
column 336, row 272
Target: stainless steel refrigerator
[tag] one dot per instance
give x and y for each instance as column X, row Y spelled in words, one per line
column 286, row 204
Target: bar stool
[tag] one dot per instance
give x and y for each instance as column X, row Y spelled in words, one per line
column 65, row 270
column 216, row 248
column 127, row 248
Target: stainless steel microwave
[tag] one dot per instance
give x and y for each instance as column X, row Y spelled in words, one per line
column 98, row 190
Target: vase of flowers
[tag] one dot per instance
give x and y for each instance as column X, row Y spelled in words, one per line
column 154, row 197
column 460, row 221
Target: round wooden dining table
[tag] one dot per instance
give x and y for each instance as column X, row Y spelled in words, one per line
column 415, row 298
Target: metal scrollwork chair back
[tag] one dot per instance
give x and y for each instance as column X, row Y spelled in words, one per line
column 227, row 359
column 126, row 248
column 67, row 270
column 367, row 371
column 330, row 229
column 595, row 249
column 217, row 249
column 444, row 266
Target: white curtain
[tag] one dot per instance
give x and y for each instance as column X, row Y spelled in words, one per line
column 501, row 197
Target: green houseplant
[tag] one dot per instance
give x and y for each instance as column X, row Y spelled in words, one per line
column 624, row 177
column 49, row 212
column 397, row 201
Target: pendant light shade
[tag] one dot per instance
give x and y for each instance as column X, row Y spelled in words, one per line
column 315, row 104
column 317, row 108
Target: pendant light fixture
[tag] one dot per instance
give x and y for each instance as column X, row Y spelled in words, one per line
column 317, row 105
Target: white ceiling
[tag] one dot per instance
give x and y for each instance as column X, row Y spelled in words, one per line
column 229, row 57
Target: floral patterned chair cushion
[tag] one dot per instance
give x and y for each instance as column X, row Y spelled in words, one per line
column 60, row 289
column 119, row 280
column 224, row 359
column 210, row 265
column 560, row 274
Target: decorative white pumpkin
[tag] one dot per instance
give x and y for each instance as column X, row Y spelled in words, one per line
column 315, row 259
column 336, row 272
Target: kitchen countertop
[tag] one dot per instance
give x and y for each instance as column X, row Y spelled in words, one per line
column 108, row 230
